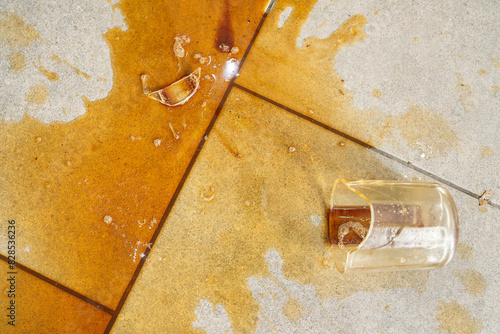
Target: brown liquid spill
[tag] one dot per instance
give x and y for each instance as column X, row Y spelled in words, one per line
column 56, row 58
column 77, row 71
column 264, row 200
column 14, row 32
column 434, row 139
column 456, row 319
column 376, row 93
column 483, row 209
column 464, row 92
column 293, row 309
column 37, row 94
column 341, row 215
column 229, row 144
column 43, row 308
column 65, row 62
column 305, row 79
column 464, row 251
column 61, row 179
column 485, row 152
column 17, row 61
column 472, row 280
column 225, row 33
column 388, row 215
column 52, row 76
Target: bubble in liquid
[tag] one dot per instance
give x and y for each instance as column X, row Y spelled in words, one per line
column 208, row 194
column 357, row 227
column 107, row 219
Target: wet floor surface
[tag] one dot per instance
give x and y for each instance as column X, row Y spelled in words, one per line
column 210, row 216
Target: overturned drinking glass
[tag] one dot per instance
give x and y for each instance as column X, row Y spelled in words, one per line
column 391, row 225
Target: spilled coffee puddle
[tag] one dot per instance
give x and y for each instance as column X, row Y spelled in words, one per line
column 121, row 159
column 246, row 195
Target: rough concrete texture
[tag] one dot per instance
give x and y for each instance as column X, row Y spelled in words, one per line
column 441, row 56
column 61, row 60
column 460, row 295
column 393, row 311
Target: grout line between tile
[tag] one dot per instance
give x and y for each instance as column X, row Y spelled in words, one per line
column 60, row 286
column 366, row 145
column 177, row 191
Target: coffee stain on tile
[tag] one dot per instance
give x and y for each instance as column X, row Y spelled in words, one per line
column 56, row 58
column 275, row 70
column 272, row 67
column 109, row 174
column 65, row 62
column 464, row 251
column 464, row 92
column 37, row 94
column 293, row 309
column 17, row 61
column 233, row 250
column 348, row 34
column 51, row 310
column 376, row 93
column 456, row 319
column 484, row 198
column 52, row 76
column 77, row 71
column 434, row 137
column 472, row 280
column 228, row 143
column 304, row 78
column 225, row 33
column 14, row 32
column 485, row 152
column 386, row 128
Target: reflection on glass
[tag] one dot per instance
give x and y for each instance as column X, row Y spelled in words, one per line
column 390, row 225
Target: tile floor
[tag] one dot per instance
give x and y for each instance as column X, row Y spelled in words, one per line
column 210, row 217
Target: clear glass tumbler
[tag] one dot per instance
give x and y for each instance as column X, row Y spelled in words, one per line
column 391, row 225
